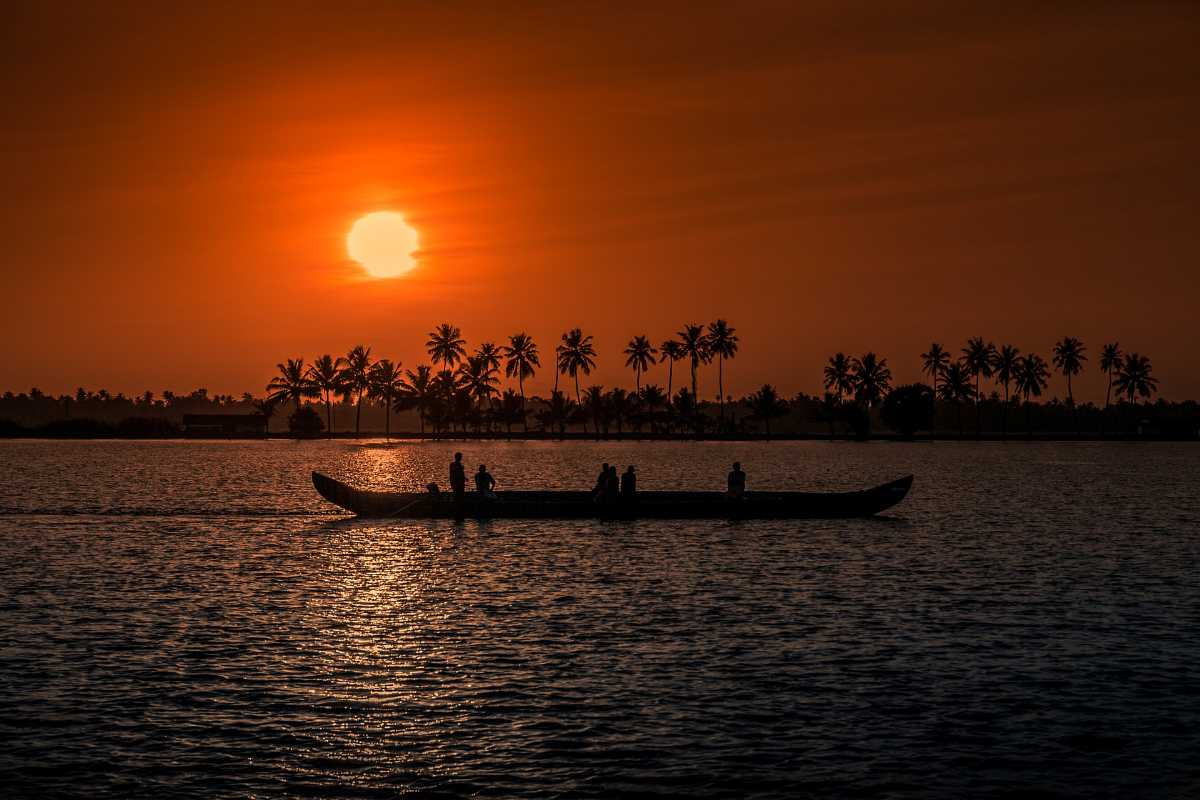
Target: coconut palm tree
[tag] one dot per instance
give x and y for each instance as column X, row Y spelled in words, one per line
column 671, row 351
column 594, row 404
column 1068, row 357
column 512, row 408
column 766, row 405
column 1134, row 378
column 418, row 391
column 326, row 373
column 521, row 359
column 490, row 354
column 292, row 383
column 446, row 346
column 956, row 388
column 478, row 378
column 1110, row 362
column 872, row 379
column 695, row 348
column 1004, row 365
column 651, row 400
column 934, row 362
column 722, row 342
column 1031, row 377
column 839, row 378
column 266, row 407
column 355, row 380
column 977, row 358
column 639, row 355
column 386, row 385
column 577, row 354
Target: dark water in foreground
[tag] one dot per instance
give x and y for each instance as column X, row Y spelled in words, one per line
column 188, row 619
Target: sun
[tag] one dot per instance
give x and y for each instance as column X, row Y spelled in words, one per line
column 384, row 243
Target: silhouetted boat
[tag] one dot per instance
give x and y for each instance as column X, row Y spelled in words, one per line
column 581, row 505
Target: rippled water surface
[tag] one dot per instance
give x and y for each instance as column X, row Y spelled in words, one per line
column 190, row 619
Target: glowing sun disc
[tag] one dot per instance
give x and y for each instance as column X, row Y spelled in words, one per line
column 383, row 243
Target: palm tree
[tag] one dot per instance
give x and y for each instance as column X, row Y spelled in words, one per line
column 1134, row 378
column 1110, row 362
column 1004, row 365
column 595, row 405
column 839, row 378
column 1068, row 357
column 956, row 389
column 977, row 358
column 620, row 405
column 933, row 364
column 385, row 385
column 1031, row 377
column 355, row 380
column 479, row 379
column 292, row 383
column 266, row 407
column 671, row 351
column 446, row 346
column 490, row 354
column 652, row 399
column 695, row 347
column 521, row 357
column 871, row 378
column 512, row 407
column 325, row 372
column 418, row 391
column 639, row 355
column 576, row 354
column 766, row 405
column 722, row 343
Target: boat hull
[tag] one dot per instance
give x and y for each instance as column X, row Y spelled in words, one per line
column 581, row 505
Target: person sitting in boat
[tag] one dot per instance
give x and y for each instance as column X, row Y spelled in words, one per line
column 485, row 484
column 737, row 481
column 598, row 491
column 629, row 483
column 612, row 486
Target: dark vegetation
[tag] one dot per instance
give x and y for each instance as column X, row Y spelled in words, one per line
column 986, row 389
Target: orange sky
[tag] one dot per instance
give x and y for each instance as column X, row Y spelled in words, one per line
column 827, row 176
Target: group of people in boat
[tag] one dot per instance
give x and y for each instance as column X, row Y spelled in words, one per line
column 609, row 486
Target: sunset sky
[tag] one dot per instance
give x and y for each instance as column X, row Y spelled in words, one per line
column 827, row 176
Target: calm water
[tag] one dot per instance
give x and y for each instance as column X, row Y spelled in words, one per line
column 189, row 619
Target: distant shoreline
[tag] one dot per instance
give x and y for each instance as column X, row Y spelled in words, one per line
column 539, row 436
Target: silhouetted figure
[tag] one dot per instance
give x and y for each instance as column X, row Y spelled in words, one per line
column 601, row 483
column 485, row 484
column 737, row 481
column 612, row 485
column 458, row 478
column 629, row 483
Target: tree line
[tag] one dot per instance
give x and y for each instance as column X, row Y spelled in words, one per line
column 461, row 389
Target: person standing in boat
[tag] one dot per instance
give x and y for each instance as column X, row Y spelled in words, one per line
column 629, row 483
column 485, row 484
column 737, row 482
column 458, row 478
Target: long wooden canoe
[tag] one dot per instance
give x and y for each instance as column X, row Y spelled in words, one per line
column 581, row 505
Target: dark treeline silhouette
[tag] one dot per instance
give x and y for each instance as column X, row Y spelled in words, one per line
column 459, row 393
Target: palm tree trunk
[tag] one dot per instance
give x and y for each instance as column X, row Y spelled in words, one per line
column 358, row 416
column 670, row 379
column 933, row 419
column 721, row 387
column 978, row 409
column 1028, row 420
column 524, row 414
column 1071, row 400
column 1107, row 397
column 328, row 415
column 387, row 419
column 1004, row 416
